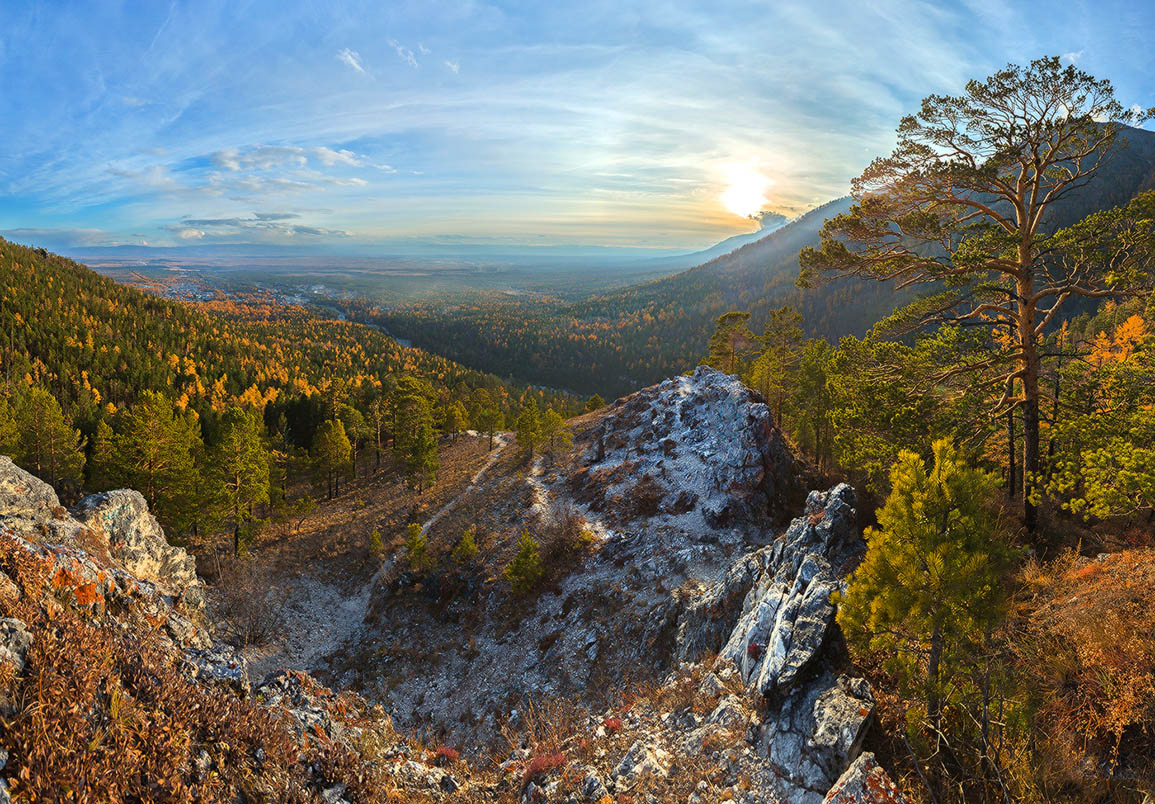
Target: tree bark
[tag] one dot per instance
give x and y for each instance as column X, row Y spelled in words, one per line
column 933, row 702
column 1029, row 366
column 1012, row 486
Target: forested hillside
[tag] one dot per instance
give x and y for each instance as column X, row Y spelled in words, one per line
column 104, row 385
column 614, row 342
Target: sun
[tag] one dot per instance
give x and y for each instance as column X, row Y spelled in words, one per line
column 746, row 195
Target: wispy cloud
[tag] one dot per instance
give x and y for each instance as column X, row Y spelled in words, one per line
column 566, row 123
column 265, row 157
column 351, row 58
column 403, row 53
column 259, row 226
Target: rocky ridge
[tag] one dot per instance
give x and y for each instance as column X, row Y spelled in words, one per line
column 680, row 486
column 754, row 701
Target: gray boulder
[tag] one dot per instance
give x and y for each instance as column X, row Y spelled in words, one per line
column 787, row 613
column 136, row 541
column 22, row 494
column 816, row 731
column 14, row 642
column 864, row 782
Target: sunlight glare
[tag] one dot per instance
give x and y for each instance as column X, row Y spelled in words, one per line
column 746, row 195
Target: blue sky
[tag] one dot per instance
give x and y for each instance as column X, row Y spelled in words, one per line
column 615, row 123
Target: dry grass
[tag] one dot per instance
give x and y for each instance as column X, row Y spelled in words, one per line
column 107, row 713
column 1086, row 643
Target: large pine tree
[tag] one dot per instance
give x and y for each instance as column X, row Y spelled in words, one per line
column 47, row 443
column 241, row 467
column 333, row 452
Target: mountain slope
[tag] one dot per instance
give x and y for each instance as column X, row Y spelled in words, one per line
column 106, row 343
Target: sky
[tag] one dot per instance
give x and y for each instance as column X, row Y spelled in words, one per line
column 334, row 125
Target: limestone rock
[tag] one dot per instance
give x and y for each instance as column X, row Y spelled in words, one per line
column 787, row 614
column 817, row 730
column 864, row 782
column 135, row 539
column 14, row 642
column 641, row 760
column 24, row 495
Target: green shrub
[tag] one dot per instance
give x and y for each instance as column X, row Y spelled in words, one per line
column 376, row 545
column 525, row 570
column 466, row 549
column 416, row 548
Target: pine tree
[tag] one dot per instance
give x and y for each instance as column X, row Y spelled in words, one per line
column 416, row 547
column 422, row 463
column 466, row 549
column 529, row 427
column 931, row 584
column 772, row 372
column 333, row 452
column 810, row 405
column 554, row 433
column 157, row 452
column 731, row 342
column 241, row 467
column 968, row 200
column 378, row 417
column 595, row 402
column 102, row 466
column 490, row 420
column 455, row 418
column 524, row 572
column 47, row 444
column 376, row 545
column 356, row 430
column 414, row 441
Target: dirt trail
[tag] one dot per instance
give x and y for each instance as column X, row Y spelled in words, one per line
column 501, row 440
column 317, row 615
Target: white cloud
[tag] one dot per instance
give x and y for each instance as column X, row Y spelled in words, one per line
column 453, row 65
column 351, row 58
column 261, row 226
column 265, row 157
column 403, row 53
column 1072, row 57
column 329, row 157
column 424, row 51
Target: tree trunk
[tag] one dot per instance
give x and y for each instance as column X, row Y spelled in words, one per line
column 933, row 702
column 1030, row 379
column 1054, row 416
column 1011, row 473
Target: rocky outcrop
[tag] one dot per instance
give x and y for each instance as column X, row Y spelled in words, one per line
column 776, row 604
column 136, row 542
column 701, row 448
column 132, row 591
column 109, row 545
column 787, row 614
column 670, row 485
column 865, row 782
